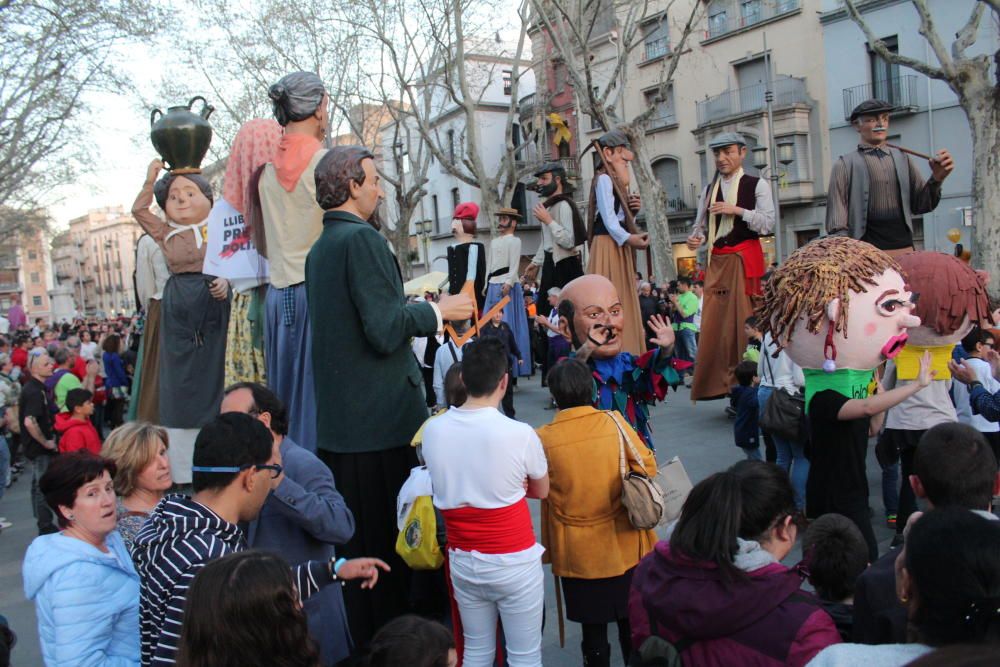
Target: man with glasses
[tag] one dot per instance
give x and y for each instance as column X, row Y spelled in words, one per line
column 978, row 389
column 303, row 517
column 876, row 190
column 234, row 471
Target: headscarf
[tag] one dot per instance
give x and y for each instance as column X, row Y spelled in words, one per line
column 255, row 144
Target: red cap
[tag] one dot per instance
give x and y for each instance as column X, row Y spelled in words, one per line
column 466, row 211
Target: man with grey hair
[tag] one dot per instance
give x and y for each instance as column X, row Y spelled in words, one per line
column 64, row 378
column 292, row 221
column 35, row 420
column 876, row 190
column 734, row 211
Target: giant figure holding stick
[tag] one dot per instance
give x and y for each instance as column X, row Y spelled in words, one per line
column 734, row 210
column 876, row 190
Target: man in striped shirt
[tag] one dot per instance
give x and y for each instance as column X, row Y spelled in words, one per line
column 235, row 466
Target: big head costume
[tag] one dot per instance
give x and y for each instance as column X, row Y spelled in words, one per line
column 839, row 307
column 952, row 299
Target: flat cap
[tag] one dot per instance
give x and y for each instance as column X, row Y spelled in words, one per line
column 727, row 139
column 871, row 107
column 466, row 211
column 510, row 213
column 549, row 167
column 613, row 139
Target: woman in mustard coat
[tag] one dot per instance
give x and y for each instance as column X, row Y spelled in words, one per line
column 589, row 540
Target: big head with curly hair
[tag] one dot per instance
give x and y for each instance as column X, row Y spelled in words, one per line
column 841, row 299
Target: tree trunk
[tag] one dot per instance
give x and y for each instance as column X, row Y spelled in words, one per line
column 982, row 106
column 400, row 240
column 654, row 205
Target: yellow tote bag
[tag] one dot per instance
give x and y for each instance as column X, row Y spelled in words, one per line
column 417, row 543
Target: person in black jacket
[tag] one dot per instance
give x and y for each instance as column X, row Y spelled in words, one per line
column 497, row 328
column 743, row 399
column 953, row 465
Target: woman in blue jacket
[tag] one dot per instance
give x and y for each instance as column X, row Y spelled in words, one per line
column 115, row 379
column 85, row 589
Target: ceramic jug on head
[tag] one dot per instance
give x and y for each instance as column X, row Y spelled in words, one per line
column 181, row 136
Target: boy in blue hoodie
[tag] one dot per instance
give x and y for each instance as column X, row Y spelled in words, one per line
column 743, row 399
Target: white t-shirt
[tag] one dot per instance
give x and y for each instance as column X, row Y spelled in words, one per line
column 480, row 458
column 87, row 350
column 961, row 391
column 697, row 315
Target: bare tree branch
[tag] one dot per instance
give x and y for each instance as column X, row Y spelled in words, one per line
column 966, row 37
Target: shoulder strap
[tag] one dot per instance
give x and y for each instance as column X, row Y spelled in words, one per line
column 623, row 439
column 451, row 348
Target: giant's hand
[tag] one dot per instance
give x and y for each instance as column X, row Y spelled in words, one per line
column 663, row 333
column 456, row 307
column 638, row 241
column 941, row 165
column 154, row 169
column 695, row 241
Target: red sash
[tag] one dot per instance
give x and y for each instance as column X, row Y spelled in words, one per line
column 752, row 256
column 504, row 530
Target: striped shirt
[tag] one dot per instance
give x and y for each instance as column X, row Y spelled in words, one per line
column 178, row 539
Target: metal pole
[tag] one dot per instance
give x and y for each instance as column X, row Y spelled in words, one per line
column 772, row 159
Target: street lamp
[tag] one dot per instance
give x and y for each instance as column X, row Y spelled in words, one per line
column 786, row 156
column 424, row 230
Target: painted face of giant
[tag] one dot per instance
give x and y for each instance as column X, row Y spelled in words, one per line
column 598, row 314
column 877, row 321
column 186, row 204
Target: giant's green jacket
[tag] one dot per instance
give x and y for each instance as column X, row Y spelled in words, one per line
column 369, row 393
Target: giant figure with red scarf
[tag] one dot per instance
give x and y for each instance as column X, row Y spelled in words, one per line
column 284, row 222
column 591, row 315
column 734, row 211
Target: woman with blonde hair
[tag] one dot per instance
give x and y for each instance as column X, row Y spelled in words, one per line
column 139, row 451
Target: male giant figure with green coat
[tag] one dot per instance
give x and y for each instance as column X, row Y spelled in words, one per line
column 369, row 388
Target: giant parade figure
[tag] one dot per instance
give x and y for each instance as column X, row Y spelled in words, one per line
column 734, row 210
column 371, row 388
column 875, row 190
column 194, row 312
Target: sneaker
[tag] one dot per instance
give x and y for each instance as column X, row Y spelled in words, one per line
column 4, row 523
column 890, row 521
column 687, row 381
column 731, row 412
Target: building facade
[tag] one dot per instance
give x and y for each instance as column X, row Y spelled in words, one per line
column 96, row 258
column 430, row 227
column 927, row 117
column 25, row 272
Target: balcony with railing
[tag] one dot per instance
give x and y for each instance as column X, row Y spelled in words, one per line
column 899, row 91
column 661, row 119
column 526, row 106
column 750, row 99
column 751, row 13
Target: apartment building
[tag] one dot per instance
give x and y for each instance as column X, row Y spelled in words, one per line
column 927, row 117
column 489, row 69
column 96, row 257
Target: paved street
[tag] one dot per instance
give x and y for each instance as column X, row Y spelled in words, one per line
column 701, row 435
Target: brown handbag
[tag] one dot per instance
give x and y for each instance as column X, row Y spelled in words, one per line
column 641, row 494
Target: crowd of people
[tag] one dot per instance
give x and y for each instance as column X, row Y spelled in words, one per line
column 301, row 467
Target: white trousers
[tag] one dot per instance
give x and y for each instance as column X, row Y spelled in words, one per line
column 506, row 585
